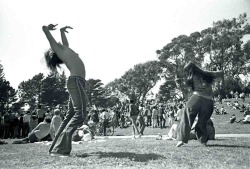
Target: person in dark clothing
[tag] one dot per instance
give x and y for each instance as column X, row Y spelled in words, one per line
column 199, row 104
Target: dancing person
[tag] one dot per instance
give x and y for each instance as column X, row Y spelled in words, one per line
column 76, row 114
column 200, row 103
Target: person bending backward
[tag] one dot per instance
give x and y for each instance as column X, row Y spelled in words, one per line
column 200, row 103
column 76, row 114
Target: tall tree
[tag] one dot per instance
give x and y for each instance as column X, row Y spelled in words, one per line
column 7, row 92
column 224, row 46
column 216, row 48
column 95, row 92
column 137, row 82
column 30, row 91
column 54, row 89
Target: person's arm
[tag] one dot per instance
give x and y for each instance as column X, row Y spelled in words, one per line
column 64, row 38
column 53, row 44
column 37, row 127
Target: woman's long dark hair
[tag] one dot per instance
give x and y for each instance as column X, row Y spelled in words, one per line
column 52, row 60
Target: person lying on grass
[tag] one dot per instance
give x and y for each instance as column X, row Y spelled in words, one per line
column 41, row 131
column 232, row 119
column 245, row 120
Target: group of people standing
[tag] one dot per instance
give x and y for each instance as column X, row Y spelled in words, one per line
column 15, row 125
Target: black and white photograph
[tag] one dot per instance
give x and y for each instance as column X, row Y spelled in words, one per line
column 125, row 84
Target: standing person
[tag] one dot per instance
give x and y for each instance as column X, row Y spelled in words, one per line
column 141, row 119
column 200, row 103
column 162, row 119
column 55, row 123
column 33, row 121
column 77, row 113
column 26, row 121
column 148, row 114
column 155, row 113
column 40, row 113
column 171, row 116
column 20, row 126
column 105, row 119
column 133, row 113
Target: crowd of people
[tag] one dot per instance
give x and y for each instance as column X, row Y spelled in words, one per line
column 185, row 120
column 17, row 125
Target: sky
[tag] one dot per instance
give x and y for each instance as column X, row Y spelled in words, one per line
column 111, row 36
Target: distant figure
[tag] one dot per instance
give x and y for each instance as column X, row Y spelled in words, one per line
column 55, row 123
column 232, row 118
column 40, row 113
column 222, row 110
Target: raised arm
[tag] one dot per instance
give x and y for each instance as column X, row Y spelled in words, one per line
column 64, row 38
column 53, row 44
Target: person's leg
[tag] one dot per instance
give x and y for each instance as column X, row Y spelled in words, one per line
column 31, row 138
column 203, row 116
column 187, row 119
column 69, row 115
column 143, row 125
column 76, row 89
column 134, row 124
column 104, row 127
column 164, row 123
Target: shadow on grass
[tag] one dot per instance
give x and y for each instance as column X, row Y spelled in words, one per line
column 127, row 155
column 230, row 146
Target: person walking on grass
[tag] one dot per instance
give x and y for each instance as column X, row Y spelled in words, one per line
column 199, row 104
column 133, row 112
column 76, row 114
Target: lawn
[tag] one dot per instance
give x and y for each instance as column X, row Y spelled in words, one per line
column 224, row 153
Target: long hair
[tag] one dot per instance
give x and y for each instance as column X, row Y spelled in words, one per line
column 52, row 60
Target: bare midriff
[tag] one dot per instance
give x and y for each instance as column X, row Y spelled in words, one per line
column 73, row 62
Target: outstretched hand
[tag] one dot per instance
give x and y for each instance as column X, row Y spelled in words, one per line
column 66, row 27
column 52, row 27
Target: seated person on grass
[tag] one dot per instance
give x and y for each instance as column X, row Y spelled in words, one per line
column 84, row 133
column 222, row 110
column 245, row 120
column 232, row 119
column 247, row 111
column 41, row 131
column 242, row 108
column 229, row 104
column 236, row 105
column 216, row 110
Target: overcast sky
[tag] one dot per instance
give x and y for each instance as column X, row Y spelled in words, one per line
column 111, row 36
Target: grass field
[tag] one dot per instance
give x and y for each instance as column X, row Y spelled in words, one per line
column 225, row 153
